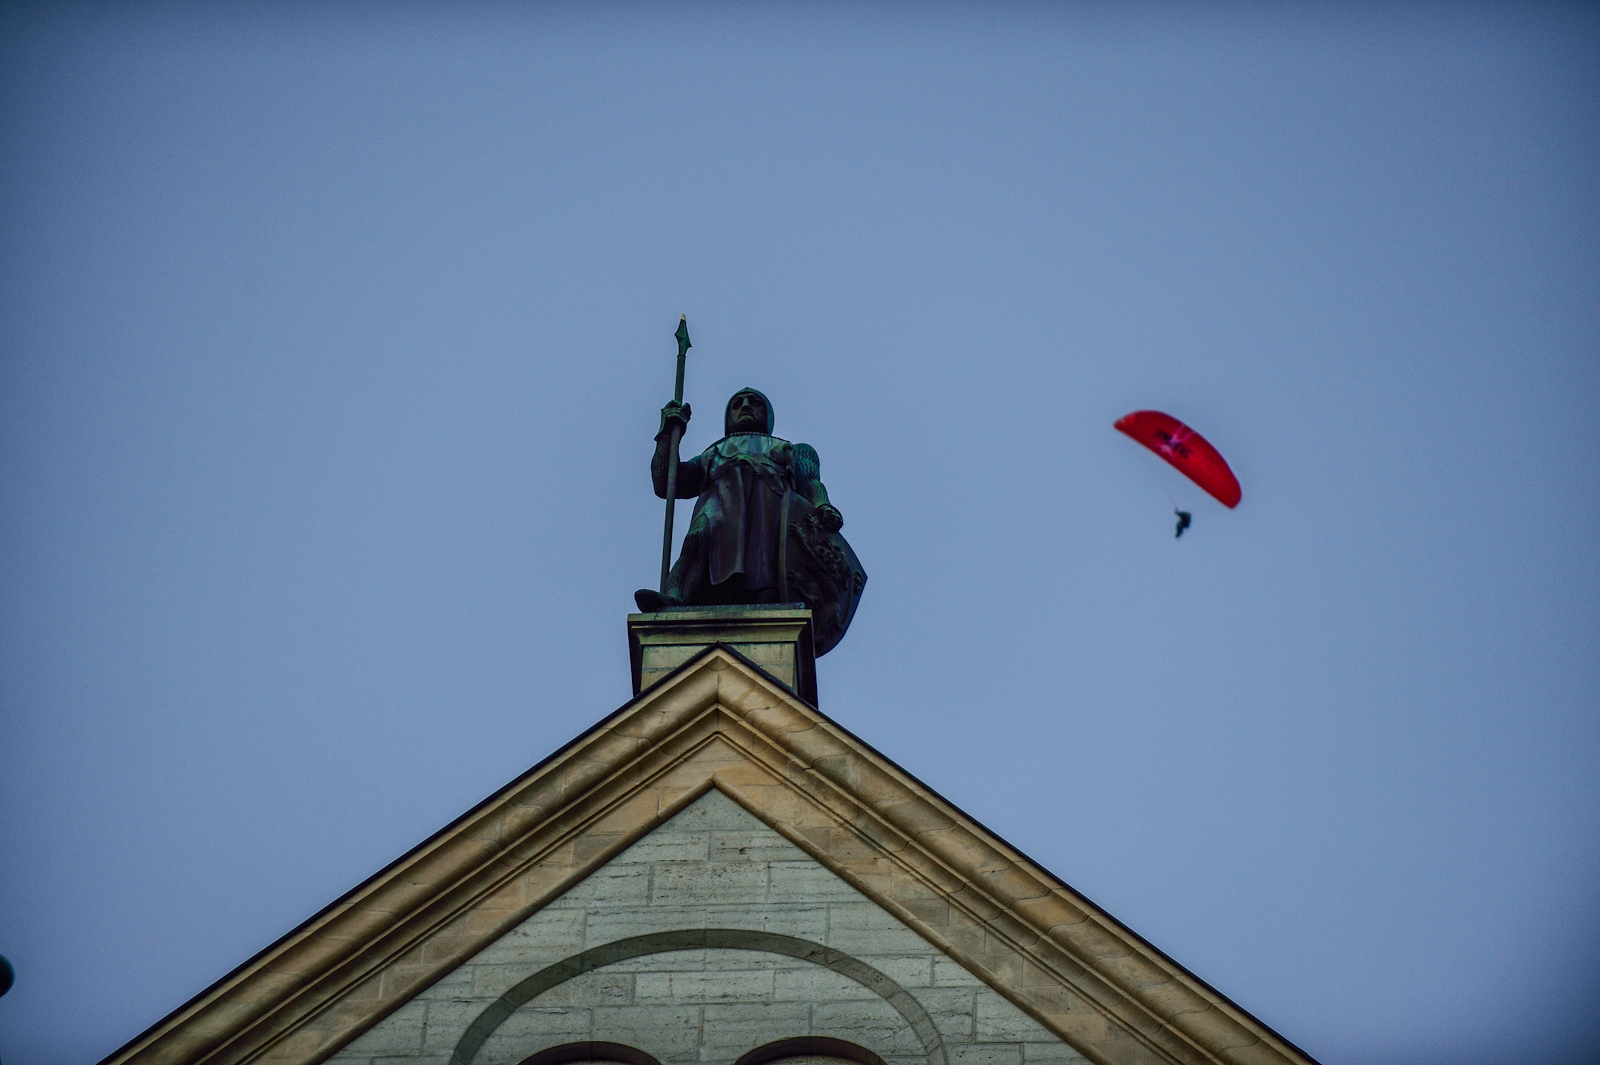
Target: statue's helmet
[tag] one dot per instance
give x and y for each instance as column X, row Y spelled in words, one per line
column 727, row 414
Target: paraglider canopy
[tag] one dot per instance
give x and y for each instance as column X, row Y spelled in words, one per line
column 1188, row 452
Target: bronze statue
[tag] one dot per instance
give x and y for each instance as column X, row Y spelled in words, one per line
column 763, row 530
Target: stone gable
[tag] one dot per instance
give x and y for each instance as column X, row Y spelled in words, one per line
column 816, row 808
column 713, row 866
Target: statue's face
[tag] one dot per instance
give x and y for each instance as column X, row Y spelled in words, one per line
column 747, row 413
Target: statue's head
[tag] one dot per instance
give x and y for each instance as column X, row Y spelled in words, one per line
column 748, row 412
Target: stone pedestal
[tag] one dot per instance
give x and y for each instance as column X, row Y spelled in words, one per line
column 776, row 637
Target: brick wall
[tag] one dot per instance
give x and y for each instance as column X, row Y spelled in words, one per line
column 651, row 977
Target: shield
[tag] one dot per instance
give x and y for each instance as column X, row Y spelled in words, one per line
column 819, row 569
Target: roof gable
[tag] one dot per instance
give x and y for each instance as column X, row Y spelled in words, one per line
column 707, row 938
column 719, row 722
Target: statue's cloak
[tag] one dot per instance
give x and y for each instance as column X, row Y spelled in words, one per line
column 747, row 494
column 740, row 502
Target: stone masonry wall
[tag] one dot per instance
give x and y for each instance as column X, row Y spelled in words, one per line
column 713, row 866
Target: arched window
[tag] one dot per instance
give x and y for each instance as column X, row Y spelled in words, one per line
column 810, row 1046
column 576, row 1053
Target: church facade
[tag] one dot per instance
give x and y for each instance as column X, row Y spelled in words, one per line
column 716, row 873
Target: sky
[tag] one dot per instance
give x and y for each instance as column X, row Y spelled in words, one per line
column 332, row 339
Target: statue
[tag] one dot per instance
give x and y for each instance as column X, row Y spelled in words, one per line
column 763, row 530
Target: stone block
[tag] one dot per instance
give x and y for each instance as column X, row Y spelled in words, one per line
column 731, row 1029
column 952, row 1011
column 874, row 1024
column 613, row 884
column 963, row 934
column 805, row 880
column 775, row 658
column 1052, row 1052
column 935, row 913
column 489, row 982
column 985, row 1054
column 715, row 812
column 708, row 885
column 666, row 1031
column 668, row 961
column 445, row 1023
column 543, row 939
column 759, row 844
column 401, row 1034
column 850, row 848
column 669, row 847
column 998, row 1021
column 813, row 983
column 702, row 987
column 533, row 1028
column 607, row 925
column 799, row 921
column 865, row 929
column 912, row 971
column 726, row 959
column 452, row 985
column 601, row 987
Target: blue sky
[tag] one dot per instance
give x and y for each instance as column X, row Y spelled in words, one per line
column 332, row 339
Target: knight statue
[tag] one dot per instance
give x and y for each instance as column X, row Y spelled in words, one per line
column 763, row 530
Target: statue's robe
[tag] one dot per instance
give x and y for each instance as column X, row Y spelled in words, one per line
column 745, row 486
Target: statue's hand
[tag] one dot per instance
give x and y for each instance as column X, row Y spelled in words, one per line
column 829, row 518
column 674, row 414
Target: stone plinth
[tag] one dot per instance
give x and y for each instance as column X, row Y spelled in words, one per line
column 777, row 638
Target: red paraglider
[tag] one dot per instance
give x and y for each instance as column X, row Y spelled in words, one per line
column 1189, row 452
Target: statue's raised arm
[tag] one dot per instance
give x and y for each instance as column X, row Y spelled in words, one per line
column 763, row 528
column 691, row 475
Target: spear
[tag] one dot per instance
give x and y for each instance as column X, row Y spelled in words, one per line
column 672, row 453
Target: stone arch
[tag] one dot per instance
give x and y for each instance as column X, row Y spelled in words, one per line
column 696, row 939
